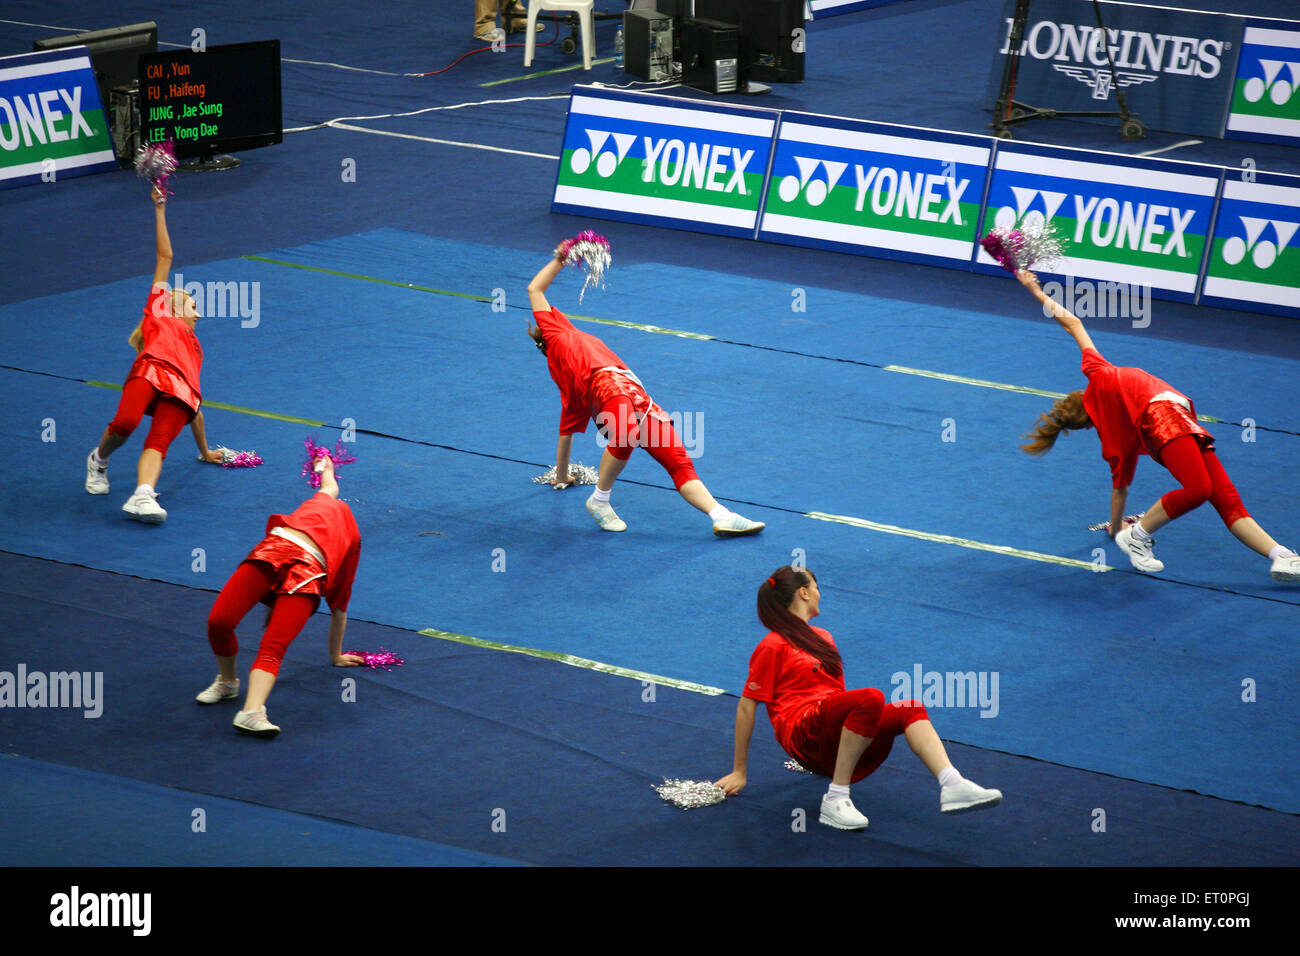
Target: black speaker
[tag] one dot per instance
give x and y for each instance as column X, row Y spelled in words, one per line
column 710, row 56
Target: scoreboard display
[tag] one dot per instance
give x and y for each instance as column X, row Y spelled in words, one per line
column 226, row 98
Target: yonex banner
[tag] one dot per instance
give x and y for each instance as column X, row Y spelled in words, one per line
column 889, row 191
column 1132, row 220
column 1255, row 255
column 51, row 121
column 1176, row 67
column 664, row 161
column 1266, row 96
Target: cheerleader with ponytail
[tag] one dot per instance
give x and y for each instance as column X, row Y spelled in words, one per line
column 1134, row 414
column 841, row 734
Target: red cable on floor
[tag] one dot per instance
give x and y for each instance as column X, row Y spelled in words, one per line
column 488, row 49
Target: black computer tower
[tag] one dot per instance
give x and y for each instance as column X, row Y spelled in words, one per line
column 648, row 44
column 710, row 56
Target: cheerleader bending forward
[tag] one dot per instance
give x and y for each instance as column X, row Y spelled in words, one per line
column 305, row 556
column 163, row 383
column 1134, row 414
column 842, row 734
column 595, row 384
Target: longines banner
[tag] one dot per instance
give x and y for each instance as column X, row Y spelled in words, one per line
column 51, row 122
column 1176, row 67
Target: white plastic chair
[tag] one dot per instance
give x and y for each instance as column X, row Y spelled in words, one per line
column 582, row 8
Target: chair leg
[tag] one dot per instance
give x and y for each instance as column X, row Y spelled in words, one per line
column 530, row 43
column 588, row 37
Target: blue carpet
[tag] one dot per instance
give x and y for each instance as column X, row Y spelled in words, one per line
column 469, row 756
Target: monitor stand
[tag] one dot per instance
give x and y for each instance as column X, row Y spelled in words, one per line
column 208, row 164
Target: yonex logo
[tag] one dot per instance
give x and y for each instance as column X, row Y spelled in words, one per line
column 814, row 190
column 1278, row 90
column 606, row 162
column 1027, row 211
column 1262, row 254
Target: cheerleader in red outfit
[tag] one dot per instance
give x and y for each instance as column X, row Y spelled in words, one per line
column 163, row 383
column 842, row 734
column 1137, row 414
column 595, row 384
column 305, row 556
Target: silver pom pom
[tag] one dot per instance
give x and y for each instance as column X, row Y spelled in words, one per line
column 796, row 766
column 591, row 250
column 587, row 475
column 689, row 794
column 1042, row 245
column 1128, row 520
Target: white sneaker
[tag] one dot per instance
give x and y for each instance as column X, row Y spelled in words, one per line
column 492, row 36
column 734, row 526
column 144, row 507
column 967, row 795
column 254, row 723
column 605, row 516
column 219, row 690
column 1286, row 570
column 96, row 477
column 1141, row 553
column 841, row 814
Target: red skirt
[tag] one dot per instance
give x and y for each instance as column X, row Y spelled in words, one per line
column 293, row 570
column 1164, row 421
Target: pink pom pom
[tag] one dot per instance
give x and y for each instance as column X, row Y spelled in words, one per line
column 243, row 459
column 316, row 455
column 1023, row 247
column 385, row 659
column 156, row 162
column 589, row 249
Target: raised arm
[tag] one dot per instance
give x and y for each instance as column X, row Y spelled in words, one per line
column 735, row 781
column 163, row 265
column 1067, row 319
column 542, row 281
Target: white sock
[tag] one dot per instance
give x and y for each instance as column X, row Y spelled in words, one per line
column 144, row 489
column 1280, row 552
column 1140, row 533
column 719, row 511
column 948, row 776
column 601, row 496
column 836, row 791
column 94, row 456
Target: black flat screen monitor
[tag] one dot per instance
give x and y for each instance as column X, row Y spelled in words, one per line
column 114, row 53
column 224, row 99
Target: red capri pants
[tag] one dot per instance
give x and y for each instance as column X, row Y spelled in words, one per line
column 169, row 415
column 625, row 427
column 282, row 572
column 1203, row 479
column 816, row 739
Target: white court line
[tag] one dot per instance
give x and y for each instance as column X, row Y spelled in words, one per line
column 959, row 542
column 1165, row 149
column 443, row 142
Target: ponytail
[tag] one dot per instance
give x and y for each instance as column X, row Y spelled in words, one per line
column 775, row 596
column 1067, row 414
